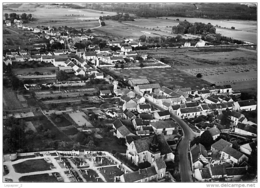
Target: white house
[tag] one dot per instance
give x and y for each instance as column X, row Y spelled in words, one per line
column 130, row 105
column 247, row 105
column 126, row 48
column 164, row 127
column 246, row 130
column 246, row 148
column 228, row 153
column 235, row 116
column 189, row 112
column 141, row 108
column 214, row 132
column 147, row 87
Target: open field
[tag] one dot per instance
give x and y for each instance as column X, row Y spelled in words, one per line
column 169, row 77
column 10, row 100
column 116, row 29
column 226, row 74
column 184, row 58
column 39, row 178
column 154, row 23
column 31, row 166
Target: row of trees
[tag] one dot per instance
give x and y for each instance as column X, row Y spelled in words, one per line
column 196, row 28
column 24, row 17
column 118, row 17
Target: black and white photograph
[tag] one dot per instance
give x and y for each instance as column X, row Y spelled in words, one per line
column 129, row 92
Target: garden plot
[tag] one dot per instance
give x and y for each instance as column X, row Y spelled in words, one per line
column 80, row 118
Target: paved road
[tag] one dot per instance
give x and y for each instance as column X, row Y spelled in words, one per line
column 184, row 145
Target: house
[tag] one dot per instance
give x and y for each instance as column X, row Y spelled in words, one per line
column 235, row 173
column 90, row 55
column 59, row 52
column 203, row 174
column 148, row 87
column 246, row 130
column 135, row 82
column 214, row 132
column 235, row 116
column 160, row 167
column 80, row 72
column 106, row 93
column 141, row 108
column 229, row 153
column 121, row 131
column 130, row 105
column 126, row 48
column 22, row 52
column 149, row 149
column 247, row 105
column 246, row 148
column 217, row 171
column 115, row 43
column 198, row 154
column 99, row 75
column 204, row 93
column 60, row 61
column 218, row 146
column 187, row 44
column 36, row 30
column 161, row 115
column 146, row 116
column 164, row 127
column 201, row 43
column 139, row 123
column 211, row 100
column 129, row 115
column 131, row 94
column 189, row 112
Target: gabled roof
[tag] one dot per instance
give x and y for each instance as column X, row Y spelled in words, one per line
column 167, row 104
column 124, row 131
column 140, row 174
column 164, row 124
column 90, row 53
column 203, row 91
column 117, row 123
column 217, row 170
column 205, row 106
column 140, row 122
column 232, row 152
column 212, row 106
column 170, row 92
column 248, row 128
column 138, row 81
column 247, row 103
column 176, row 107
column 190, row 110
column 212, row 99
column 191, row 104
column 144, row 106
column 146, row 116
column 160, row 163
column 129, row 114
column 221, row 144
column 236, row 171
column 205, row 173
column 198, row 150
column 149, row 86
column 241, row 119
column 235, row 114
column 214, row 131
column 164, row 113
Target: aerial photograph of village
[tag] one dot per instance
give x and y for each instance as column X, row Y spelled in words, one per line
column 159, row 92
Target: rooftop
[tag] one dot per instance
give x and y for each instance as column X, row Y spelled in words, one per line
column 164, row 124
column 221, row 144
column 232, row 152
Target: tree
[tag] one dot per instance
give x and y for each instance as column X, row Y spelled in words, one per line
column 206, row 139
column 61, row 76
column 232, row 27
column 103, row 23
column 24, row 16
column 141, row 64
column 142, row 38
column 6, row 16
column 199, row 75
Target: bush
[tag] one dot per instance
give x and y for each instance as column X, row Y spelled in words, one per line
column 199, row 75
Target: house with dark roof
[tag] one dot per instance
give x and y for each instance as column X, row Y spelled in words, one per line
column 149, row 149
column 247, row 105
column 214, row 132
column 235, row 173
column 129, row 115
column 104, row 93
column 217, row 171
column 161, row 115
column 121, row 131
column 204, row 93
column 146, row 116
column 246, row 130
column 211, row 100
column 218, row 146
column 198, row 156
column 139, row 123
column 144, row 108
column 235, row 116
column 164, row 127
column 231, row 154
column 160, row 167
column 202, row 175
column 90, row 55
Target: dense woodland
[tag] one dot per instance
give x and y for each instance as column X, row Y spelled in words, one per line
column 198, row 10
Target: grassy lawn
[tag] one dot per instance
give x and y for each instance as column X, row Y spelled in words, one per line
column 38, row 178
column 31, row 166
column 110, row 172
column 10, row 100
column 91, row 175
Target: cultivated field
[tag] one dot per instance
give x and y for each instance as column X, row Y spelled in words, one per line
column 226, row 74
column 116, row 29
column 169, row 77
column 10, row 100
column 31, row 166
column 39, row 178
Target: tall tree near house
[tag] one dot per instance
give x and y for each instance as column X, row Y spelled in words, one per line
column 6, row 16
column 24, row 16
